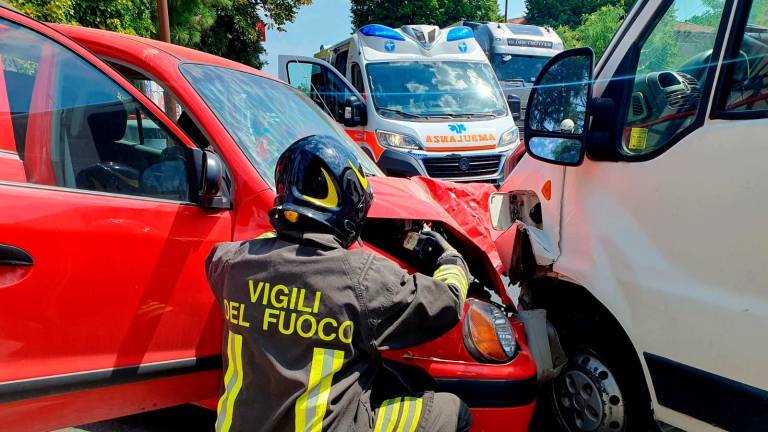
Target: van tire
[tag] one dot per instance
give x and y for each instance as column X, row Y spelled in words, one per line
column 603, row 383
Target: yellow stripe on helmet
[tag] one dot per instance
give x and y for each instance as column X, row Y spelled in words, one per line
column 362, row 178
column 331, row 200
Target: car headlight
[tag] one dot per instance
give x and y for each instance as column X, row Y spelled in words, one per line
column 509, row 137
column 488, row 335
column 397, row 141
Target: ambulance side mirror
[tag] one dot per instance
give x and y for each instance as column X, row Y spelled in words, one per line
column 514, row 106
column 558, row 110
column 354, row 113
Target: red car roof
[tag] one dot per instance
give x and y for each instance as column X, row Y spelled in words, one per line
column 122, row 42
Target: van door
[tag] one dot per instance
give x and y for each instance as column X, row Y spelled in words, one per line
column 669, row 234
column 328, row 88
column 102, row 248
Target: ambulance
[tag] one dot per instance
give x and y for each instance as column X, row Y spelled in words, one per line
column 419, row 100
column 517, row 53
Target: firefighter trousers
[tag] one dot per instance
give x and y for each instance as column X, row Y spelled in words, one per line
column 427, row 412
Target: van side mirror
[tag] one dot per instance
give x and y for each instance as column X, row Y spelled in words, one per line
column 558, row 108
column 209, row 176
column 354, row 112
column 514, row 106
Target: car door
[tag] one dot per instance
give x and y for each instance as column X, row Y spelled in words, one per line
column 329, row 89
column 102, row 244
column 672, row 238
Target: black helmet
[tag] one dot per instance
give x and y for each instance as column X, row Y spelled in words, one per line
column 321, row 187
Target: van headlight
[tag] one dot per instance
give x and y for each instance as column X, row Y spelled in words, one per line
column 488, row 335
column 397, row 140
column 509, row 137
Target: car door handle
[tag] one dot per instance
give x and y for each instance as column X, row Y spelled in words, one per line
column 13, row 256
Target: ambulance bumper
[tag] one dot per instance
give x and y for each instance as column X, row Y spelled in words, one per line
column 486, row 166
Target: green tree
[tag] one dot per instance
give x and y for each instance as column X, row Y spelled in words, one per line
column 437, row 12
column 596, row 29
column 125, row 16
column 228, row 28
column 569, row 13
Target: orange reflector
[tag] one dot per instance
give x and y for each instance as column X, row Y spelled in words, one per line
column 484, row 336
column 546, row 190
column 291, row 216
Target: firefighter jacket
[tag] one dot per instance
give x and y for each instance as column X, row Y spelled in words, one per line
column 305, row 323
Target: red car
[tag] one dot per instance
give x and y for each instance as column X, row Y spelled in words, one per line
column 110, row 205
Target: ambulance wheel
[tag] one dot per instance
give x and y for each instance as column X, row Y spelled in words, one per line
column 602, row 388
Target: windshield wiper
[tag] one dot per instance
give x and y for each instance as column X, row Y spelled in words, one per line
column 464, row 115
column 400, row 113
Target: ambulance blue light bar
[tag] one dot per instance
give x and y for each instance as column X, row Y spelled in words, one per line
column 381, row 31
column 459, row 33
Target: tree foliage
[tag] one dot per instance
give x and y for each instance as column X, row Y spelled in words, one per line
column 228, row 28
column 125, row 16
column 596, row 29
column 568, row 13
column 437, row 12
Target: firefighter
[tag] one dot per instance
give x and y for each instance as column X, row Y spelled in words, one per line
column 307, row 317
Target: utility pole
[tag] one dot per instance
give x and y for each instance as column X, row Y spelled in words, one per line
column 164, row 31
column 163, row 24
column 506, row 7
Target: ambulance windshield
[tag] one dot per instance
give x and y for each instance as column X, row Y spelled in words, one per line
column 514, row 67
column 427, row 90
column 264, row 116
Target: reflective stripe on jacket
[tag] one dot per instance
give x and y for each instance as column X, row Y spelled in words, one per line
column 305, row 323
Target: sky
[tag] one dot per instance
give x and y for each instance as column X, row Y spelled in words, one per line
column 327, row 22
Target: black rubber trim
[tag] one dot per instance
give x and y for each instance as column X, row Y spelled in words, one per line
column 400, row 164
column 714, row 399
column 79, row 381
column 14, row 256
column 491, row 393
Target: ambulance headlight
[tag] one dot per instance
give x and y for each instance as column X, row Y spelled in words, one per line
column 509, row 138
column 488, row 335
column 397, row 141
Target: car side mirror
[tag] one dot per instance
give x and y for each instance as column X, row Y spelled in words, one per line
column 209, row 176
column 515, row 106
column 558, row 110
column 354, row 112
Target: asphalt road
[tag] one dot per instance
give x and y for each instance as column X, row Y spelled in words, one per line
column 188, row 418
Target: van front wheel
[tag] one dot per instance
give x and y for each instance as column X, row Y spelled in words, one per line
column 587, row 397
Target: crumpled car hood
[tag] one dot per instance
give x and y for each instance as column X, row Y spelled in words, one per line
column 461, row 206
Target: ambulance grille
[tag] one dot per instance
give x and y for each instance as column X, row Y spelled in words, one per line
column 451, row 167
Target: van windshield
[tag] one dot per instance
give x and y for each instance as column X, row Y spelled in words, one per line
column 427, row 90
column 264, row 116
column 513, row 67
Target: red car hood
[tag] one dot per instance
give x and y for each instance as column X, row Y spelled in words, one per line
column 463, row 207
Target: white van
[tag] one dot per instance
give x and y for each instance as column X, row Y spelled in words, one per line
column 650, row 254
column 419, row 100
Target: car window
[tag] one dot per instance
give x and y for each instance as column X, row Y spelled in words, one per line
column 75, row 128
column 322, row 85
column 747, row 73
column 671, row 71
column 264, row 116
column 158, row 93
column 357, row 78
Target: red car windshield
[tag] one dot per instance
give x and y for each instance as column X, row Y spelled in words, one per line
column 264, row 116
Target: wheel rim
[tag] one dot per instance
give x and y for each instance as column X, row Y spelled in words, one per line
column 587, row 397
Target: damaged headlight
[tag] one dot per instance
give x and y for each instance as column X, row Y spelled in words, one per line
column 397, row 141
column 488, row 335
